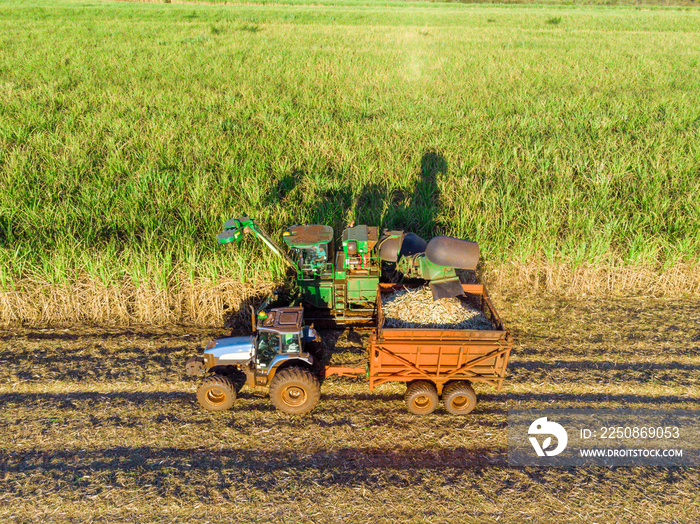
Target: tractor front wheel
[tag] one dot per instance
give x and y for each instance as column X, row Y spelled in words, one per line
column 295, row 390
column 216, row 393
column 421, row 397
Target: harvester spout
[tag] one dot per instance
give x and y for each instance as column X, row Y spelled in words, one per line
column 453, row 252
column 437, row 261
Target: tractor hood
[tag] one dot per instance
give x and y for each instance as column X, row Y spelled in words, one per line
column 228, row 351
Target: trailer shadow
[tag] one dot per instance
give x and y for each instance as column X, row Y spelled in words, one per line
column 352, row 465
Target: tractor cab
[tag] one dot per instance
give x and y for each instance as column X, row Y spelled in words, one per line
column 280, row 336
column 311, row 248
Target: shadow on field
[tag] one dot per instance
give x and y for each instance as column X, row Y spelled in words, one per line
column 345, row 466
column 90, row 334
column 79, row 358
column 413, row 211
column 66, row 400
column 373, row 400
column 590, row 372
column 584, row 398
column 97, row 363
column 586, row 365
column 376, row 203
column 238, row 319
column 138, row 398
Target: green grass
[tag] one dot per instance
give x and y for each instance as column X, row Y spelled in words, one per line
column 130, row 132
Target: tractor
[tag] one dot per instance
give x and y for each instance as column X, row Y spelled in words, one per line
column 282, row 358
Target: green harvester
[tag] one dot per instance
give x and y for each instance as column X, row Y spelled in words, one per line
column 345, row 281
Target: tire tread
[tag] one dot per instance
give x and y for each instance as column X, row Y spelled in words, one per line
column 222, row 382
column 459, row 388
column 302, row 377
column 416, row 389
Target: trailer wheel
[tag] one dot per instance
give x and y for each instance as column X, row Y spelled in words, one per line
column 216, row 393
column 421, row 397
column 459, row 398
column 295, row 390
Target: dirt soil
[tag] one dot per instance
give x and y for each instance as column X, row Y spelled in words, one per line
column 102, row 425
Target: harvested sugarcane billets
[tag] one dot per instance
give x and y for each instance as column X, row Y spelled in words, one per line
column 415, row 308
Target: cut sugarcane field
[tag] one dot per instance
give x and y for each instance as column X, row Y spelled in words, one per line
column 374, row 145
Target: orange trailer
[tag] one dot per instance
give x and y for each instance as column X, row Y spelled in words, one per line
column 436, row 362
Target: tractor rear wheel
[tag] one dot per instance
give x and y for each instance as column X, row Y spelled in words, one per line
column 421, row 397
column 295, row 390
column 216, row 393
column 459, row 398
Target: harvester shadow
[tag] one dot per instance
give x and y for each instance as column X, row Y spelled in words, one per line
column 413, row 211
column 347, row 341
column 376, row 204
column 323, row 205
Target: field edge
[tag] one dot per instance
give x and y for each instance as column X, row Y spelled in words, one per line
column 201, row 302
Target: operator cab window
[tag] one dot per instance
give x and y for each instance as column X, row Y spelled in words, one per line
column 268, row 347
column 290, row 343
column 313, row 259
